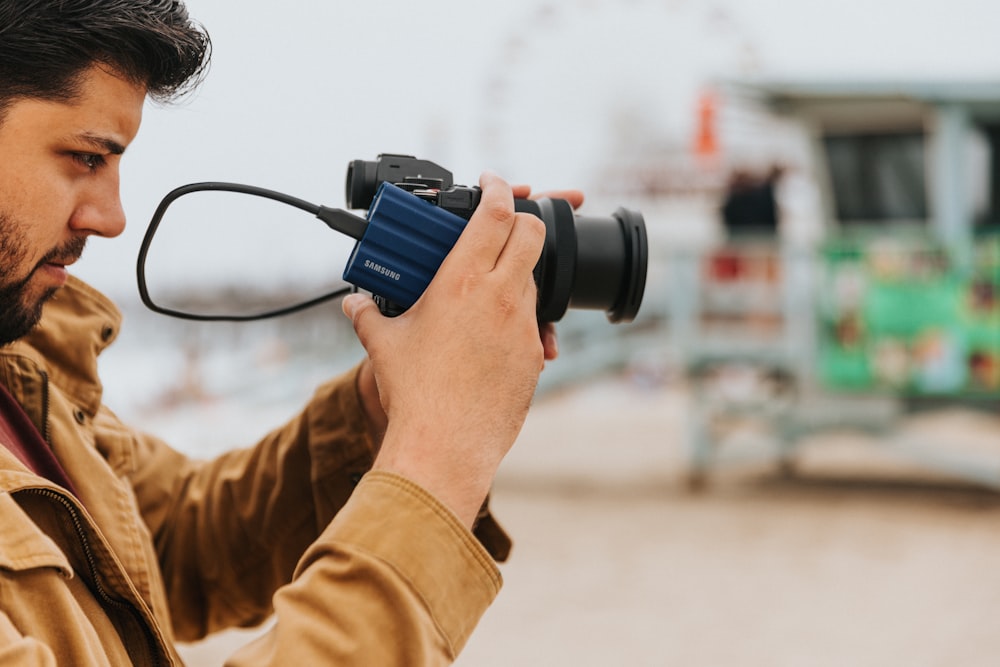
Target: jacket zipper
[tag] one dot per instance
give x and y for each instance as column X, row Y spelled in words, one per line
column 74, row 514
column 102, row 593
column 45, row 407
column 121, row 606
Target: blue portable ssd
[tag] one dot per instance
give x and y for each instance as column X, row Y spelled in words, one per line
column 405, row 242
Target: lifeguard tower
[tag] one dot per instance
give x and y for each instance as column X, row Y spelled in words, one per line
column 893, row 308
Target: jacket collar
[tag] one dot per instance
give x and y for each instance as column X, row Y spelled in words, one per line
column 77, row 324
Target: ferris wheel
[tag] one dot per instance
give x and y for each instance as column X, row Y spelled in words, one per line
column 576, row 86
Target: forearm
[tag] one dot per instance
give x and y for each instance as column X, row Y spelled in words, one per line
column 230, row 531
column 394, row 580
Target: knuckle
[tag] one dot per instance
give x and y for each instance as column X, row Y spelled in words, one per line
column 467, row 283
column 508, row 303
column 498, row 209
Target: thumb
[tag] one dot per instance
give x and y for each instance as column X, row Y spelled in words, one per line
column 359, row 308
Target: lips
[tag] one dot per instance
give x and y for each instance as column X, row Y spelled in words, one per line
column 57, row 266
column 53, row 274
column 65, row 254
column 54, row 264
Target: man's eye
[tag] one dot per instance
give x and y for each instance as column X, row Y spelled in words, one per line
column 91, row 161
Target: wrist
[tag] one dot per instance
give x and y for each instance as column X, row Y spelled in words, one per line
column 459, row 485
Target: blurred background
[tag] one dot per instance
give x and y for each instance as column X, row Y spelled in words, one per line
column 790, row 457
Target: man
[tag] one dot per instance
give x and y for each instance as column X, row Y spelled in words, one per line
column 351, row 524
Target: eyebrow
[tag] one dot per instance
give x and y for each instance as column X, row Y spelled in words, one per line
column 109, row 145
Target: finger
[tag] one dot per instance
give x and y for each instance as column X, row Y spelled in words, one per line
column 362, row 310
column 521, row 191
column 371, row 401
column 574, row 197
column 486, row 234
column 523, row 247
column 550, row 341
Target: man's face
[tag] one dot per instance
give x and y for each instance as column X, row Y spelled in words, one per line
column 58, row 185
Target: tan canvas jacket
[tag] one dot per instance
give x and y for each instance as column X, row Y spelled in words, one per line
column 159, row 547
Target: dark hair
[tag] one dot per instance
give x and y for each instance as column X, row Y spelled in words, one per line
column 46, row 45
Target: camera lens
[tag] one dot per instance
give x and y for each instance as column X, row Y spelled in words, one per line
column 596, row 263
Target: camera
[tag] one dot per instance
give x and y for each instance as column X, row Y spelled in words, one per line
column 416, row 213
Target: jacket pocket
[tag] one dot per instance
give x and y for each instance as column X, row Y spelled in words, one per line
column 44, row 605
column 23, row 545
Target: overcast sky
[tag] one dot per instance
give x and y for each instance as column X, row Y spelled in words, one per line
column 525, row 87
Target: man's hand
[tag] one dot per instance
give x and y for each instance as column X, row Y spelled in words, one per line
column 457, row 371
column 368, row 387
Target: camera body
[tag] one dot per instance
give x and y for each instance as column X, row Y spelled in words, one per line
column 416, row 214
column 422, row 178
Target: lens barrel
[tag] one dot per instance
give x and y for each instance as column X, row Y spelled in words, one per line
column 595, row 263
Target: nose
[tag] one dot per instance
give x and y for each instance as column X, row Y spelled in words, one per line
column 100, row 211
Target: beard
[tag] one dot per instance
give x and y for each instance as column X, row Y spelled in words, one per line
column 19, row 311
